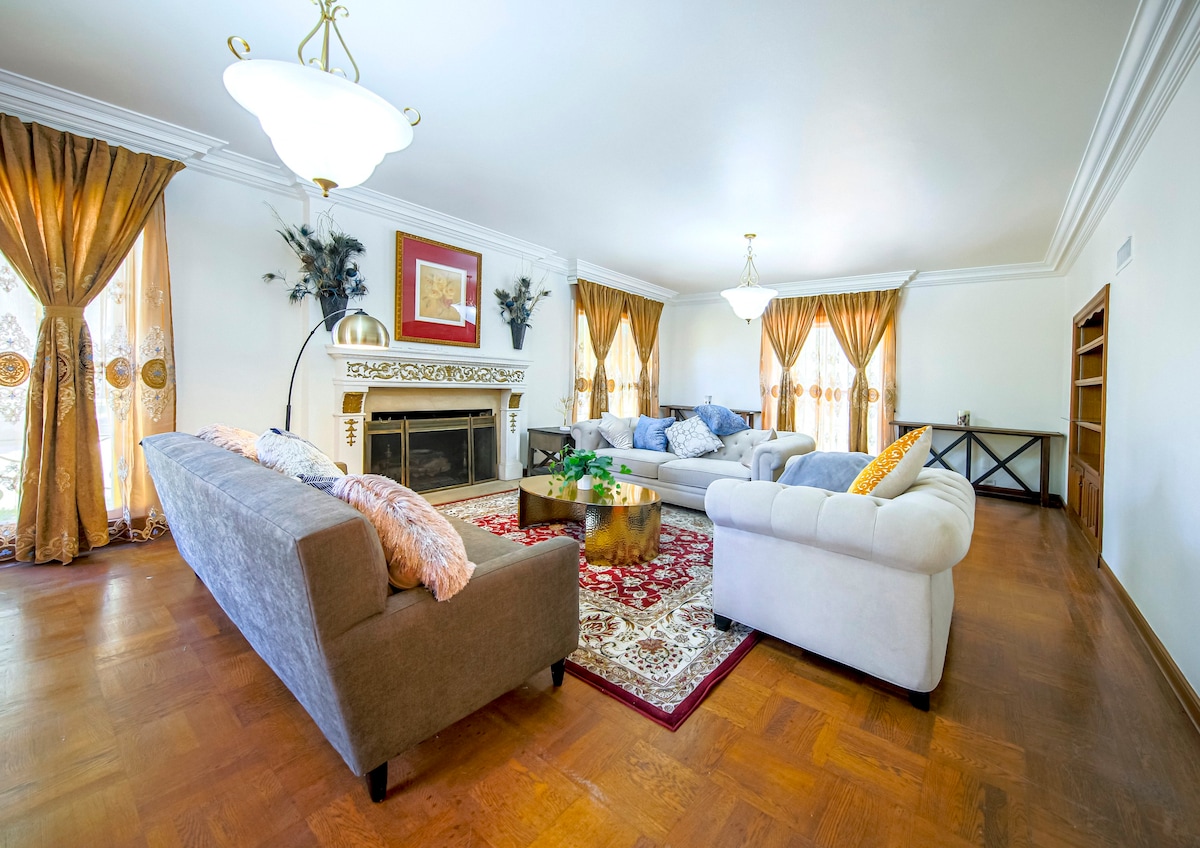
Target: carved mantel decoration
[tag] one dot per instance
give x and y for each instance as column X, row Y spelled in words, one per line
column 359, row 372
column 415, row 372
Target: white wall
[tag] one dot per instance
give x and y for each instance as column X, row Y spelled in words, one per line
column 704, row 349
column 997, row 349
column 236, row 337
column 1151, row 536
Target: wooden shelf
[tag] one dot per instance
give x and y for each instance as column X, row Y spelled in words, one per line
column 1090, row 461
column 1089, row 364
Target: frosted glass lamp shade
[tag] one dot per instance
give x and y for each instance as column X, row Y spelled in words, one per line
column 748, row 302
column 322, row 126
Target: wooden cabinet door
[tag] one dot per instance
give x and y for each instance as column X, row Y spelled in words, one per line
column 1075, row 490
column 1089, row 512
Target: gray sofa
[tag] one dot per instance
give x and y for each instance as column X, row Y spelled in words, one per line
column 303, row 577
column 684, row 481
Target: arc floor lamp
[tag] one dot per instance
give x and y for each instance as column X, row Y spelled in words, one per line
column 356, row 330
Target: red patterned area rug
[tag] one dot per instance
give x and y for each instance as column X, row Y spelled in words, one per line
column 645, row 632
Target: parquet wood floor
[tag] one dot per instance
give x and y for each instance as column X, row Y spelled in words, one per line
column 133, row 713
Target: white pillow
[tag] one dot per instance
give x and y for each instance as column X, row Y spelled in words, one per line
column 691, row 438
column 748, row 457
column 616, row 430
column 291, row 455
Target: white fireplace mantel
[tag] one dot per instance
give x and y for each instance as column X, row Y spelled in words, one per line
column 358, row 371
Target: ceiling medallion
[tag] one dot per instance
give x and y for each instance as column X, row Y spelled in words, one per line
column 324, row 126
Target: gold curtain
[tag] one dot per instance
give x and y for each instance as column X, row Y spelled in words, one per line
column 70, row 209
column 136, row 351
column 602, row 307
column 859, row 320
column 786, row 323
column 644, row 314
column 888, row 413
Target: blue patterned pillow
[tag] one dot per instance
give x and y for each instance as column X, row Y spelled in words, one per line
column 651, row 433
column 721, row 420
column 321, row 482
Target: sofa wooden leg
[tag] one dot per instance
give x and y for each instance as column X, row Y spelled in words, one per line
column 920, row 700
column 722, row 622
column 377, row 783
column 557, row 670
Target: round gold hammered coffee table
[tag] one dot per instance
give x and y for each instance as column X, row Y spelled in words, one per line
column 620, row 529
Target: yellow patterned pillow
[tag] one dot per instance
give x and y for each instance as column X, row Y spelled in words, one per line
column 893, row 471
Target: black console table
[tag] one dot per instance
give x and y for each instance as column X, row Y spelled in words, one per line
column 546, row 445
column 971, row 436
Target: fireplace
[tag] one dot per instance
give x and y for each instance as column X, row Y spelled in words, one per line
column 451, row 384
column 431, row 450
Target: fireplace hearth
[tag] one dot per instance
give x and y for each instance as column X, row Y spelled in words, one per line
column 432, row 450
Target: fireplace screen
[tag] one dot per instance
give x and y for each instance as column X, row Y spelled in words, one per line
column 432, row 450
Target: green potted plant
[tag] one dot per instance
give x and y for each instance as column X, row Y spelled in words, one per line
column 588, row 471
column 328, row 266
column 517, row 306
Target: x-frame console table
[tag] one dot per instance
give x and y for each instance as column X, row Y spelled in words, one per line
column 971, row 436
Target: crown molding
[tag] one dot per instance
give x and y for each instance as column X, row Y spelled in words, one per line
column 242, row 169
column 1158, row 53
column 837, row 285
column 431, row 223
column 807, row 288
column 579, row 269
column 984, row 274
column 32, row 100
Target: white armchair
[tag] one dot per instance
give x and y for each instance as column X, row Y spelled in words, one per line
column 861, row 580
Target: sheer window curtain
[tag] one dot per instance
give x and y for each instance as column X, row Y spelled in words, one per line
column 622, row 366
column 134, row 383
column 604, row 309
column 823, row 378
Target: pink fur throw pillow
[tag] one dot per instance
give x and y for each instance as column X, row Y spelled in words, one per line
column 419, row 543
column 231, row 438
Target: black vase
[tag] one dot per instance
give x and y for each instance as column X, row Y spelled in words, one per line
column 518, row 334
column 333, row 307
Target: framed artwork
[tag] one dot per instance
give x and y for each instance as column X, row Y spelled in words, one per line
column 437, row 292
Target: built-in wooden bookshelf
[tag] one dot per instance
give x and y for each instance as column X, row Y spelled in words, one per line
column 1089, row 364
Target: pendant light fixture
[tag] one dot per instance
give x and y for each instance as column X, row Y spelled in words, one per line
column 324, row 127
column 749, row 299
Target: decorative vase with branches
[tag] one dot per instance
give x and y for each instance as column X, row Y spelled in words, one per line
column 328, row 266
column 566, row 405
column 517, row 306
column 587, row 471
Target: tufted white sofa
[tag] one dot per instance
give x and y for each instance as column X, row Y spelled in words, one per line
column 861, row 580
column 684, row 481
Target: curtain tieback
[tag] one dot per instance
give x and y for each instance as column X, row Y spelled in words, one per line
column 64, row 312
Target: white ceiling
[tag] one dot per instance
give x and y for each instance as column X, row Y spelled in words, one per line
column 855, row 136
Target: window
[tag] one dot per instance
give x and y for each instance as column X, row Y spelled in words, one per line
column 622, row 366
column 823, row 377
column 20, row 314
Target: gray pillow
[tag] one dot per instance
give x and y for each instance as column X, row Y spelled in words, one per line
column 616, row 430
column 827, row 470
